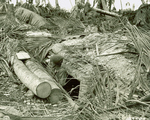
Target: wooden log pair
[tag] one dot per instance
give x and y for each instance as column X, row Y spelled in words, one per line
column 33, row 76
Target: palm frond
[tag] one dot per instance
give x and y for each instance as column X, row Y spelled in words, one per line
column 32, row 18
column 39, row 47
column 4, row 65
column 30, row 7
column 141, row 42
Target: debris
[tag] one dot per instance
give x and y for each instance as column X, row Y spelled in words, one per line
column 55, row 97
column 39, row 71
column 29, row 94
column 39, row 87
column 38, row 34
column 21, row 55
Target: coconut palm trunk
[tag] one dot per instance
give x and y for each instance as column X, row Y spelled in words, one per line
column 121, row 6
column 110, row 4
column 104, row 5
column 143, row 2
column 49, row 4
column 57, row 4
column 80, row 1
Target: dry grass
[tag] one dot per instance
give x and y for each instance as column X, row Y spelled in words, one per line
column 141, row 42
column 105, row 101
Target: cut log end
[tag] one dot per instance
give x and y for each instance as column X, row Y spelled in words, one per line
column 43, row 90
column 55, row 96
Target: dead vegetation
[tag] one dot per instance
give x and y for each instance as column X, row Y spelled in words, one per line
column 108, row 57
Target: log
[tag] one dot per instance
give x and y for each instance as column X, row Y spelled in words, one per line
column 106, row 12
column 103, row 11
column 39, row 71
column 38, row 86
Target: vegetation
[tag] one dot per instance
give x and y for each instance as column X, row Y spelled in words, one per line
column 106, row 98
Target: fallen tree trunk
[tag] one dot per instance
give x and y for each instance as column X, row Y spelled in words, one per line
column 38, row 86
column 106, row 12
column 56, row 92
column 76, row 10
column 39, row 71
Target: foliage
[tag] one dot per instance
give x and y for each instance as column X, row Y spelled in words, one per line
column 106, row 99
column 59, row 12
column 105, row 92
column 3, row 7
column 142, row 16
column 141, row 43
column 108, row 2
column 130, row 15
column 29, row 7
column 46, row 11
column 45, row 17
column 39, row 47
column 110, row 25
column 32, row 18
column 10, row 26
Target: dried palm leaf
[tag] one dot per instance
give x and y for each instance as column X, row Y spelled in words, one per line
column 39, row 47
column 142, row 45
column 32, row 18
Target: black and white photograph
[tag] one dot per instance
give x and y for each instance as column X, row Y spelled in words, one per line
column 74, row 59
